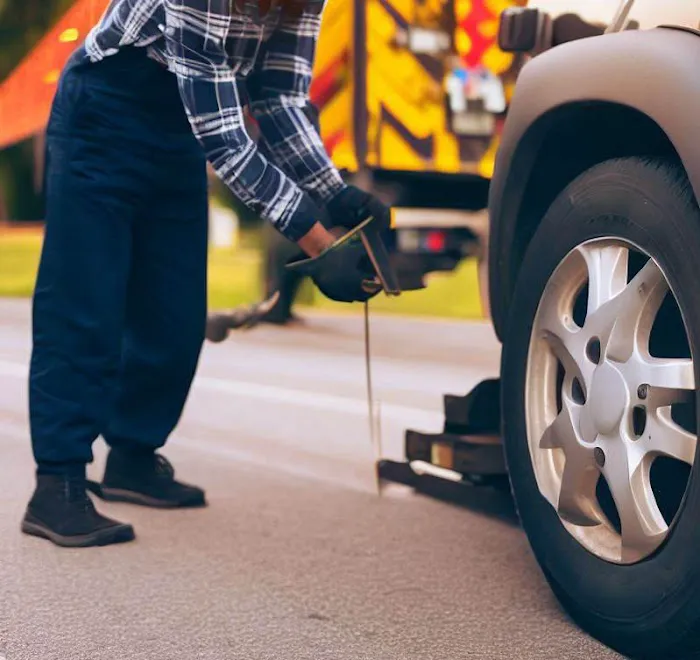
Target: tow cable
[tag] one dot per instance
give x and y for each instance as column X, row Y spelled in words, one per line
column 385, row 279
column 374, row 431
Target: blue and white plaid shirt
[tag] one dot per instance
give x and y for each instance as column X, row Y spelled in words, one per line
column 219, row 49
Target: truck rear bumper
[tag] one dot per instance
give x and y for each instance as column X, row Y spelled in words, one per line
column 438, row 240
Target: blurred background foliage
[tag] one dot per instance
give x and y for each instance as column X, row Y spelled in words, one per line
column 234, row 273
column 22, row 24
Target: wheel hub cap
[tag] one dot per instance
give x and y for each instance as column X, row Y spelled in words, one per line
column 608, row 400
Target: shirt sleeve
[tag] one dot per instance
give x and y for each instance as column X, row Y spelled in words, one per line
column 197, row 33
column 278, row 91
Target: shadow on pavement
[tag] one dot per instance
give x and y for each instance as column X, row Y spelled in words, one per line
column 493, row 500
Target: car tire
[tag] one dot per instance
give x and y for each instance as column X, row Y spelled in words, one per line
column 650, row 608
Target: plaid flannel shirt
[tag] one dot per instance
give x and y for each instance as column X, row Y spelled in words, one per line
column 222, row 51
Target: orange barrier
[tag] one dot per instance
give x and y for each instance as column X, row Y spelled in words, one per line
column 26, row 95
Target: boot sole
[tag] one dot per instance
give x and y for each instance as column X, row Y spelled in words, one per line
column 107, row 536
column 132, row 497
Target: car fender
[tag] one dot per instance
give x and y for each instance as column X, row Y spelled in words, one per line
column 652, row 71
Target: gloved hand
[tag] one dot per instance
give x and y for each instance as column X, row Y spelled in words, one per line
column 351, row 206
column 344, row 273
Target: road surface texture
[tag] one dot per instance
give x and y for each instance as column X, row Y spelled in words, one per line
column 298, row 556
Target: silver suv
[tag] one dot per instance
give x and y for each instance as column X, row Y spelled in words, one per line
column 594, row 267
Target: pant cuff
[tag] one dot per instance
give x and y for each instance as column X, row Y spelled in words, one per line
column 130, row 446
column 71, row 469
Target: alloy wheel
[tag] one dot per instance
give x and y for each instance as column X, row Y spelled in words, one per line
column 610, row 395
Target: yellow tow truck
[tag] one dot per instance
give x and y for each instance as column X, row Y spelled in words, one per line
column 411, row 96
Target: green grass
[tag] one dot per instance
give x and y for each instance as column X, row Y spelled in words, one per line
column 19, row 259
column 234, row 279
column 448, row 295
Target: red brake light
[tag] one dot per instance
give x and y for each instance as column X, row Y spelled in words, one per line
column 435, row 241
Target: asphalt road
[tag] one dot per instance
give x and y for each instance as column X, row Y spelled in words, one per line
column 298, row 556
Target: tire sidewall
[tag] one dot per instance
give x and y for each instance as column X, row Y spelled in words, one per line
column 624, row 606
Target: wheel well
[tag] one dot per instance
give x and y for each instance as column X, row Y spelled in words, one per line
column 576, row 137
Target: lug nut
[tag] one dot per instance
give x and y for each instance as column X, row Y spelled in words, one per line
column 599, row 456
column 643, row 391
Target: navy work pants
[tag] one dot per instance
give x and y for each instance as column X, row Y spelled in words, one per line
column 119, row 308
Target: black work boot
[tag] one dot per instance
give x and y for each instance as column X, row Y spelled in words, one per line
column 146, row 478
column 61, row 510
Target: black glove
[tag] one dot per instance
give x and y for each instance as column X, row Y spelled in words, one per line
column 344, row 272
column 351, row 206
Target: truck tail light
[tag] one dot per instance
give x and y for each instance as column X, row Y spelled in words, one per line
column 435, row 241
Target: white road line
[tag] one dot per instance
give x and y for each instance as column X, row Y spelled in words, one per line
column 13, row 369
column 409, row 416
column 20, row 431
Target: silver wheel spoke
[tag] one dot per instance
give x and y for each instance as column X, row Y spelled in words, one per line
column 577, row 499
column 561, row 433
column 660, row 397
column 668, row 373
column 555, row 324
column 662, row 436
column 633, row 312
column 565, row 345
column 669, row 380
column 665, row 380
column 586, row 426
column 627, row 473
column 607, row 273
